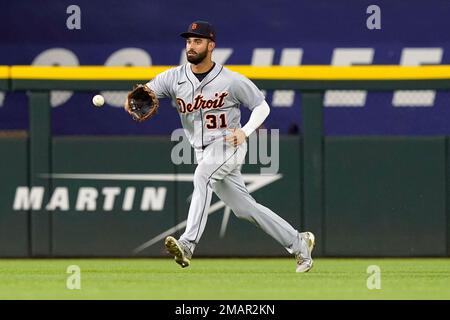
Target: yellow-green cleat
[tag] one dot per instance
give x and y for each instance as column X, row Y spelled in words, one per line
column 181, row 255
column 304, row 259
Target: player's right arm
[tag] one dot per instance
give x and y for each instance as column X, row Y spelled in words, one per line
column 161, row 85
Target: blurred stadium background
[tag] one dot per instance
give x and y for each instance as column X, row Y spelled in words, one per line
column 366, row 170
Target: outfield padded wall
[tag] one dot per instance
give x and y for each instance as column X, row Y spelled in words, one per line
column 383, row 196
column 113, row 232
column 14, row 225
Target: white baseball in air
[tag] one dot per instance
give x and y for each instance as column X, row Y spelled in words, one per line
column 98, row 100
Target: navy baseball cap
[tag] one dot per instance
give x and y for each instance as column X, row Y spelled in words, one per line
column 200, row 29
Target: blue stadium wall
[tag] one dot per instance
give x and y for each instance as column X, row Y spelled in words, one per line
column 249, row 32
column 385, row 171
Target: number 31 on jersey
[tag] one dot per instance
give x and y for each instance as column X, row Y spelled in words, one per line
column 214, row 121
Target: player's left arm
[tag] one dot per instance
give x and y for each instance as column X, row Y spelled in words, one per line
column 247, row 93
column 257, row 117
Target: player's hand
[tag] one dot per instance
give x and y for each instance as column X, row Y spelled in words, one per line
column 236, row 137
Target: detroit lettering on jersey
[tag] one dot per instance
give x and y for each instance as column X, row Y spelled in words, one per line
column 199, row 102
column 209, row 107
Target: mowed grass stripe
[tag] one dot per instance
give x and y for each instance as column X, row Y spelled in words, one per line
column 218, row 279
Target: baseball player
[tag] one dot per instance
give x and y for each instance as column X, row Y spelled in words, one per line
column 208, row 97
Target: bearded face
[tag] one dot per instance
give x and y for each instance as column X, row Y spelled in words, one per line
column 196, row 50
column 196, row 57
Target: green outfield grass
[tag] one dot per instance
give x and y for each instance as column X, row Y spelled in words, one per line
column 224, row 279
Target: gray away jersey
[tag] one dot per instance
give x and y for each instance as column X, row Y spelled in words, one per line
column 210, row 107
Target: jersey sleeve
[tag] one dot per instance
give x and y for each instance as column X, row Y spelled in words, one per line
column 246, row 92
column 162, row 84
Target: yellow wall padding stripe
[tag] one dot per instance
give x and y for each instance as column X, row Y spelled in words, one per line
column 345, row 73
column 374, row 72
column 4, row 72
column 85, row 72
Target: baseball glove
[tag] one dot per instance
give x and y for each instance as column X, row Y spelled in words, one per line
column 142, row 103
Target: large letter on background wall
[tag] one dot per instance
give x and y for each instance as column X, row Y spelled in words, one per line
column 125, row 57
column 347, row 57
column 289, row 57
column 416, row 57
column 57, row 57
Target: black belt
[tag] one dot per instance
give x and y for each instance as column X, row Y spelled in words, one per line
column 202, row 147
